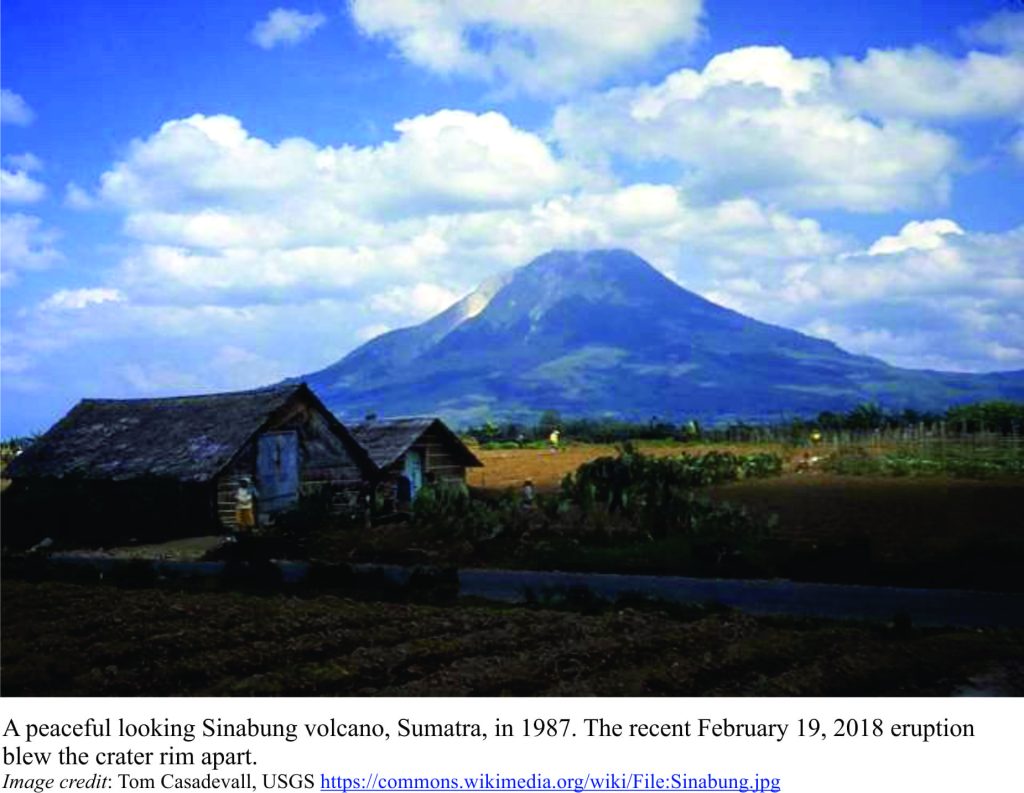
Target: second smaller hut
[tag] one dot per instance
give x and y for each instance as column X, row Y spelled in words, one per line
column 412, row 452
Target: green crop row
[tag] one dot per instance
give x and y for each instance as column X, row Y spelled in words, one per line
column 858, row 462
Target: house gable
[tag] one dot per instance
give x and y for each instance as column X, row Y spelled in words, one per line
column 388, row 441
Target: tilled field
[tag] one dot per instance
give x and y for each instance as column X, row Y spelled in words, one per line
column 66, row 639
column 902, row 515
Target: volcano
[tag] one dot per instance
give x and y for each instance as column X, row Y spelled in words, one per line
column 603, row 333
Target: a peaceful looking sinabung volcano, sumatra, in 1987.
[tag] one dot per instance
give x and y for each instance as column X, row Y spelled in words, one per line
column 602, row 333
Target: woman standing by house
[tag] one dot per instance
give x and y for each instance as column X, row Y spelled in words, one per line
column 245, row 505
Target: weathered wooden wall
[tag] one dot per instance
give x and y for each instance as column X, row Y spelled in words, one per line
column 324, row 462
column 439, row 458
column 440, row 464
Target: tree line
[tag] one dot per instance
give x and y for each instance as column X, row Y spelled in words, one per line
column 1000, row 417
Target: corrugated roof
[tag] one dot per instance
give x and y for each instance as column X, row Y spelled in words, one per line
column 188, row 438
column 388, row 439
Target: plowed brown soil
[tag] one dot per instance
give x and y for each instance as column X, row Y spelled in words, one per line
column 931, row 513
column 65, row 639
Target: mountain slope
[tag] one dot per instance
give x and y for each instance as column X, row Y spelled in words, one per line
column 604, row 333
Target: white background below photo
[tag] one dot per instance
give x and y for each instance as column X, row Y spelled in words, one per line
column 857, row 744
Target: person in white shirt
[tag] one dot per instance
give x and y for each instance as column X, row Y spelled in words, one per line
column 245, row 505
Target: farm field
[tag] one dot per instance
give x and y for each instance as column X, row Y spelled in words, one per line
column 97, row 640
column 506, row 468
column 930, row 530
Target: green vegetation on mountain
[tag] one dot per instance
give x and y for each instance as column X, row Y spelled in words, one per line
column 604, row 334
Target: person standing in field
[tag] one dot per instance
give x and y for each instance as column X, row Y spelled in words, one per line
column 553, row 439
column 245, row 505
column 528, row 494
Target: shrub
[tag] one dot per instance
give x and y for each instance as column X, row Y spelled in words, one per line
column 632, row 477
column 447, row 510
column 657, row 498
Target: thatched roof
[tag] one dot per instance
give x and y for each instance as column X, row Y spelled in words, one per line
column 387, row 440
column 189, row 438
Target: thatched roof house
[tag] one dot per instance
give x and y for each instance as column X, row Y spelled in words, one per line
column 420, row 449
column 149, row 467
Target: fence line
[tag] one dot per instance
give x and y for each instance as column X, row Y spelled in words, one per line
column 935, row 438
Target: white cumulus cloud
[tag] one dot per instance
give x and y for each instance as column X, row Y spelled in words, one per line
column 530, row 45
column 1003, row 30
column 758, row 122
column 14, row 109
column 215, row 208
column 77, row 299
column 77, row 197
column 285, row 26
column 921, row 83
column 457, row 196
column 24, row 162
column 25, row 244
column 450, row 160
column 922, row 235
column 17, row 187
column 933, row 295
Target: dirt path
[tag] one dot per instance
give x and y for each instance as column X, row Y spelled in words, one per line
column 933, row 607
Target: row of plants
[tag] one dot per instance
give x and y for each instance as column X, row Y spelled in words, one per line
column 974, row 464
column 633, row 476
column 631, row 485
column 628, row 512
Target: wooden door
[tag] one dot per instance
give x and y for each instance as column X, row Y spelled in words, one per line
column 277, row 466
column 413, row 470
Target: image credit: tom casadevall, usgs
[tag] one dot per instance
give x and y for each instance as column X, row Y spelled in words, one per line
column 395, row 745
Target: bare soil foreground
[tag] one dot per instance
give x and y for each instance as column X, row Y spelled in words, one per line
column 67, row 639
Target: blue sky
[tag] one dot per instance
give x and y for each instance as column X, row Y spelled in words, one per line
column 201, row 197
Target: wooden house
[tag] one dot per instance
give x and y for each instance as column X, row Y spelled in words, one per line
column 411, row 452
column 112, row 470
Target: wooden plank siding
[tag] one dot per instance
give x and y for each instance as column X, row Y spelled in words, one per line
column 439, row 457
column 324, row 462
column 437, row 461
